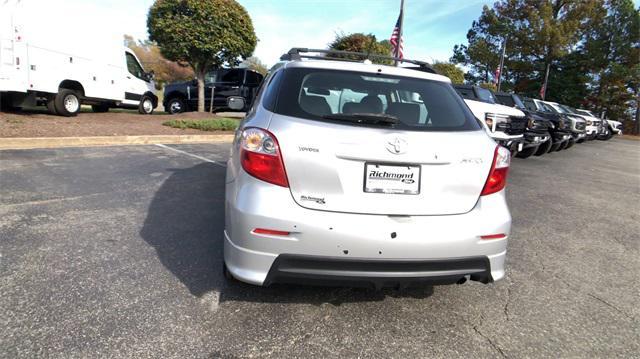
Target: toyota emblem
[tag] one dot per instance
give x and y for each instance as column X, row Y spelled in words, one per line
column 397, row 145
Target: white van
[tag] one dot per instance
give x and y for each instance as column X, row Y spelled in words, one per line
column 65, row 56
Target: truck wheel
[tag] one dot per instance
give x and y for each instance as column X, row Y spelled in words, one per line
column 554, row 147
column 146, row 105
column 175, row 105
column 527, row 152
column 570, row 143
column 609, row 134
column 67, row 103
column 100, row 108
column 563, row 146
column 51, row 105
column 544, row 148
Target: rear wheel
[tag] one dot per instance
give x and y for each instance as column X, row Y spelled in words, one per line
column 175, row 105
column 67, row 103
column 100, row 108
column 527, row 152
column 544, row 148
column 146, row 105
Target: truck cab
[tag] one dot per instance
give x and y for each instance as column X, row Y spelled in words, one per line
column 222, row 83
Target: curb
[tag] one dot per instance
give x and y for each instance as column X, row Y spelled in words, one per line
column 55, row 142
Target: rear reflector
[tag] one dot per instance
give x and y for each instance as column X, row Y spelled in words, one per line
column 494, row 236
column 271, row 232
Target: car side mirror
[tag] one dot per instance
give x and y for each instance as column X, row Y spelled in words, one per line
column 235, row 102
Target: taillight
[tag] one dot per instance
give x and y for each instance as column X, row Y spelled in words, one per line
column 260, row 156
column 497, row 179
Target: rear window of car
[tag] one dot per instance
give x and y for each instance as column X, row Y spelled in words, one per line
column 418, row 104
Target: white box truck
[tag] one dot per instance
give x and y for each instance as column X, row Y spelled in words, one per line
column 64, row 56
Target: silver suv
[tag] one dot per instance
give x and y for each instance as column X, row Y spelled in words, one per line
column 355, row 173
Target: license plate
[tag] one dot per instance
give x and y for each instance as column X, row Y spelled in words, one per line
column 394, row 179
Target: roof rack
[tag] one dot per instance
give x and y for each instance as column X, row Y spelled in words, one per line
column 298, row 53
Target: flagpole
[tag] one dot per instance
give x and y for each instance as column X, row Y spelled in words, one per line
column 397, row 63
column 504, row 48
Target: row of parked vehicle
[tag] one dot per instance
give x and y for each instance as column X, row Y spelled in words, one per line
column 534, row 127
column 528, row 127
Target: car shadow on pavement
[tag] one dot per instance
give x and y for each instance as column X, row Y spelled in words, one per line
column 185, row 223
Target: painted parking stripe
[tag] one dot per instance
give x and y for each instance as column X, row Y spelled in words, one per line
column 191, row 155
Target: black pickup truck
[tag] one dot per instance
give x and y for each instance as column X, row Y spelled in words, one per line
column 557, row 126
column 183, row 96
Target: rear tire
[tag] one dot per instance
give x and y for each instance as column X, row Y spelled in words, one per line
column 67, row 103
column 527, row 152
column 544, row 148
column 100, row 108
column 146, row 105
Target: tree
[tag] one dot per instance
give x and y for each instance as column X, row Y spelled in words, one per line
column 612, row 49
column 538, row 32
column 165, row 71
column 359, row 42
column 450, row 70
column 255, row 64
column 205, row 34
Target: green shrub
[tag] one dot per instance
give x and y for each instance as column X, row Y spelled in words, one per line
column 217, row 124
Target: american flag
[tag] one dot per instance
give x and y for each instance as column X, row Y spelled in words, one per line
column 396, row 39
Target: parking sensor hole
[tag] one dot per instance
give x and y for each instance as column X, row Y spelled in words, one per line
column 345, row 251
column 379, row 252
column 393, row 235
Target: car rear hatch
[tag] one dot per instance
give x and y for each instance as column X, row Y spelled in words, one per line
column 356, row 169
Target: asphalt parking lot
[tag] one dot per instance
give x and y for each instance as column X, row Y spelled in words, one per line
column 116, row 252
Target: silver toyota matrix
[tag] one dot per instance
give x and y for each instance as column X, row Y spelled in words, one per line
column 353, row 173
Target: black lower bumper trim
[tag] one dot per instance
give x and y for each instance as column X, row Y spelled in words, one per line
column 376, row 273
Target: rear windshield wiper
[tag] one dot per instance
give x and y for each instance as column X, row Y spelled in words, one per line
column 364, row 118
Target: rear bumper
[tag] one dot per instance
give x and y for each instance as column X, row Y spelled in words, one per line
column 382, row 245
column 301, row 269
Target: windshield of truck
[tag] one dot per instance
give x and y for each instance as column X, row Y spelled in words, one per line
column 358, row 98
column 518, row 101
column 485, row 95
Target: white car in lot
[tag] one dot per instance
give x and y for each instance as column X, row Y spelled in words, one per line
column 506, row 125
column 402, row 186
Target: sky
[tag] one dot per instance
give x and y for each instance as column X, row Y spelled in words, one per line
column 431, row 27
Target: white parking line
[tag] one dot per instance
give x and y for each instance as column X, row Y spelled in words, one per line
column 191, row 155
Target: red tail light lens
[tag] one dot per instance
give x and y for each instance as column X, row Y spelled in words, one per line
column 271, row 232
column 260, row 156
column 497, row 179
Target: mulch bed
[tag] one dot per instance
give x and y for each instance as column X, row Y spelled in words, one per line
column 38, row 123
